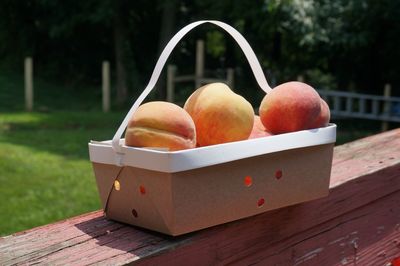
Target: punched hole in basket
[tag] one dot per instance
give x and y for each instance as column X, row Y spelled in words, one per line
column 134, row 213
column 278, row 174
column 260, row 202
column 117, row 185
column 142, row 190
column 248, row 181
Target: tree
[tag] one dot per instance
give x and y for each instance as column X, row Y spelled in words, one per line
column 332, row 43
column 353, row 40
column 167, row 27
column 120, row 55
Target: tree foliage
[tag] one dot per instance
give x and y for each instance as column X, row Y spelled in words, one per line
column 344, row 44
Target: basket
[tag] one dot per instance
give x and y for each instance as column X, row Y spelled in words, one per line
column 183, row 191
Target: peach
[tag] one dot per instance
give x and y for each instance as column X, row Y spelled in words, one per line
column 289, row 107
column 162, row 125
column 220, row 115
column 258, row 130
column 323, row 117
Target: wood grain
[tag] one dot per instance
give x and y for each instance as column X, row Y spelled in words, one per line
column 357, row 224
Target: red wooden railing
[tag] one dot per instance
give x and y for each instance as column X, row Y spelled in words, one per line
column 357, row 224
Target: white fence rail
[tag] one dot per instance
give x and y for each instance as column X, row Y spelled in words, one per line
column 356, row 105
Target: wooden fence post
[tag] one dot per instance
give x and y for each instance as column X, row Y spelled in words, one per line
column 28, row 70
column 171, row 83
column 300, row 78
column 230, row 77
column 199, row 63
column 106, row 86
column 387, row 91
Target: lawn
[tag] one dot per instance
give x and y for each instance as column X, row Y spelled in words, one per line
column 45, row 172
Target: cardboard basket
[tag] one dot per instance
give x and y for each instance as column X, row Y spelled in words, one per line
column 184, row 191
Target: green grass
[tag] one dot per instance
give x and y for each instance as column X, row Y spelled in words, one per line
column 45, row 172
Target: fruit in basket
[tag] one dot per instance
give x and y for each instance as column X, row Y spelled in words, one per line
column 258, row 130
column 220, row 115
column 161, row 125
column 323, row 117
column 289, row 107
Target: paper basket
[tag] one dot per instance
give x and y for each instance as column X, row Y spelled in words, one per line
column 184, row 191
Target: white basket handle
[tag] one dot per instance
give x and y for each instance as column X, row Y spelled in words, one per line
column 244, row 45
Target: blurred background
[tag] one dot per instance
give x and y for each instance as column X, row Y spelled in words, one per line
column 69, row 71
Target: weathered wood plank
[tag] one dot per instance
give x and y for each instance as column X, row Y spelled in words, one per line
column 345, row 240
column 358, row 222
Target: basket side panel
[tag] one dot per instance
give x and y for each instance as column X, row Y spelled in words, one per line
column 218, row 194
column 143, row 199
column 105, row 175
